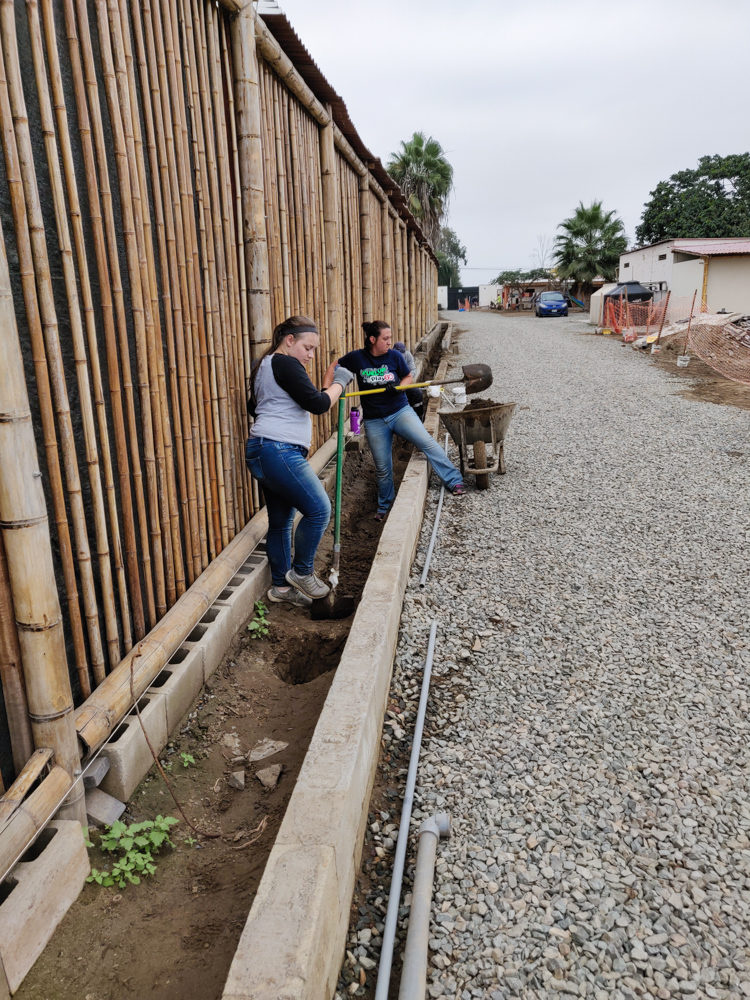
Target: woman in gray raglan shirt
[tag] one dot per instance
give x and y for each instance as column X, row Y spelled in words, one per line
column 282, row 397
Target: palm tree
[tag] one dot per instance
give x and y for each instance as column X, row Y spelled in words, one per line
column 426, row 178
column 589, row 246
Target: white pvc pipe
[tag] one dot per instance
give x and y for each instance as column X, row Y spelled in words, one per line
column 394, row 897
column 433, row 537
column 414, row 971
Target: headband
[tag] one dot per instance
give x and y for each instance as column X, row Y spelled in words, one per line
column 302, row 329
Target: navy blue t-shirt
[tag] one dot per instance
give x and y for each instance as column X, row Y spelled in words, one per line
column 375, row 373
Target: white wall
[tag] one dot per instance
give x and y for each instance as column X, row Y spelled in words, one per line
column 487, row 294
column 442, row 296
column 687, row 276
column 646, row 266
column 729, row 284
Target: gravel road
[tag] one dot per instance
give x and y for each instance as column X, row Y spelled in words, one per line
column 588, row 727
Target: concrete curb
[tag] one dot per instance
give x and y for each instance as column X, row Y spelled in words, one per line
column 293, row 942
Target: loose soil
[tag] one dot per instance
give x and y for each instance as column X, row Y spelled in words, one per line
column 705, row 383
column 173, row 937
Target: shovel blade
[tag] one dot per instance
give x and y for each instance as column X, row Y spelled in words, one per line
column 478, row 378
column 332, row 608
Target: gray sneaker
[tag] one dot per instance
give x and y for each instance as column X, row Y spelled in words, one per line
column 311, row 586
column 290, row 596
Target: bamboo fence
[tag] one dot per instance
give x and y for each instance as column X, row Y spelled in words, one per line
column 187, row 192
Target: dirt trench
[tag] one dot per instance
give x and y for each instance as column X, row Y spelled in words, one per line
column 173, row 937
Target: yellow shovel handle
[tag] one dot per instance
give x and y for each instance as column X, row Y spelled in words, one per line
column 371, row 392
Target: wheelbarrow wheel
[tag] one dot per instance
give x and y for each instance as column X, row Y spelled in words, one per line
column 480, row 462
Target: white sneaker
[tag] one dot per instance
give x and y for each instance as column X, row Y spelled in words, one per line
column 311, row 586
column 290, row 596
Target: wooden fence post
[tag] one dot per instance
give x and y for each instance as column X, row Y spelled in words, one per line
column 399, row 280
column 247, row 105
column 385, row 226
column 413, row 334
column 364, row 234
column 25, row 527
column 331, row 233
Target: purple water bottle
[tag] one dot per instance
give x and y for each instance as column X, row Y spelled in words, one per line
column 354, row 417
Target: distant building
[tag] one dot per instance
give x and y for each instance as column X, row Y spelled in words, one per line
column 653, row 265
column 719, row 270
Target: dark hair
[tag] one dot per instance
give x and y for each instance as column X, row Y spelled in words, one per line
column 298, row 326
column 373, row 330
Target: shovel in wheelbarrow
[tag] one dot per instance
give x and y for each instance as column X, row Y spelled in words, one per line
column 332, row 607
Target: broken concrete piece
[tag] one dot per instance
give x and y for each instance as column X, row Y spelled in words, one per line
column 269, row 776
column 94, row 773
column 232, row 742
column 102, row 809
column 237, row 780
column 266, row 748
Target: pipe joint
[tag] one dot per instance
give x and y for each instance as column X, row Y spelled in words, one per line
column 439, row 824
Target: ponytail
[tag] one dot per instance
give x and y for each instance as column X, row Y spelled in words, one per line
column 298, row 326
column 373, row 329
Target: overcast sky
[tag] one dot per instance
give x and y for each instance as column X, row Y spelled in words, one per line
column 540, row 104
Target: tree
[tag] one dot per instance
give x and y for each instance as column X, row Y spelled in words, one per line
column 450, row 254
column 517, row 279
column 426, row 178
column 589, row 246
column 712, row 201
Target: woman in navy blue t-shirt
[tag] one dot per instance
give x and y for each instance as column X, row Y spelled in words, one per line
column 385, row 414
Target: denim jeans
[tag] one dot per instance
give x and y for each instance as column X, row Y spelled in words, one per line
column 289, row 484
column 407, row 425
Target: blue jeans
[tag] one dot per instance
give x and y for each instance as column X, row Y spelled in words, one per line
column 289, row 484
column 407, row 425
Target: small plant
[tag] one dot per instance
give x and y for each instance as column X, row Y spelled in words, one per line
column 190, row 841
column 138, row 843
column 258, row 627
column 186, row 759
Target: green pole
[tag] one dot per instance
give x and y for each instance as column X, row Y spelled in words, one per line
column 337, row 513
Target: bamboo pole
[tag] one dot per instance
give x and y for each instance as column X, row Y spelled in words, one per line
column 11, row 673
column 118, row 298
column 387, row 240
column 141, row 259
column 25, row 529
column 413, row 331
column 399, row 279
column 248, row 118
column 51, row 333
column 27, row 775
column 103, row 710
column 119, row 107
column 134, row 597
column 366, row 259
column 41, row 371
column 74, row 309
column 186, row 323
column 32, row 816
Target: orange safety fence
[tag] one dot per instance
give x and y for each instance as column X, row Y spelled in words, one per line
column 724, row 346
column 643, row 317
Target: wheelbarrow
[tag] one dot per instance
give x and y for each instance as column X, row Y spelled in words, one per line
column 479, row 427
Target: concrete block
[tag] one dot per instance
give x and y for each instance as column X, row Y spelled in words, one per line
column 94, row 773
column 236, row 605
column 128, row 752
column 47, row 882
column 181, row 680
column 289, row 934
column 102, row 809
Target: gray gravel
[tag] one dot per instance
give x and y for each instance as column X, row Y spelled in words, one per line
column 588, row 724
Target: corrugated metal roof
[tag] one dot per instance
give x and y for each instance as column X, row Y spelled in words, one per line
column 279, row 26
column 735, row 247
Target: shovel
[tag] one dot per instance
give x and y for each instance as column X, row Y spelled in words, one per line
column 331, row 607
column 477, row 378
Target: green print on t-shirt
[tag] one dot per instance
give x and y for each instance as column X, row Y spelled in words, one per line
column 376, row 376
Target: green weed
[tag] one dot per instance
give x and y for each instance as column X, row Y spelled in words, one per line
column 137, row 844
column 258, row 627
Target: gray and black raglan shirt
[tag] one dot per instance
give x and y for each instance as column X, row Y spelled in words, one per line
column 284, row 398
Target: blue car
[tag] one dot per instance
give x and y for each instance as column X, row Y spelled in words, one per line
column 551, row 304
